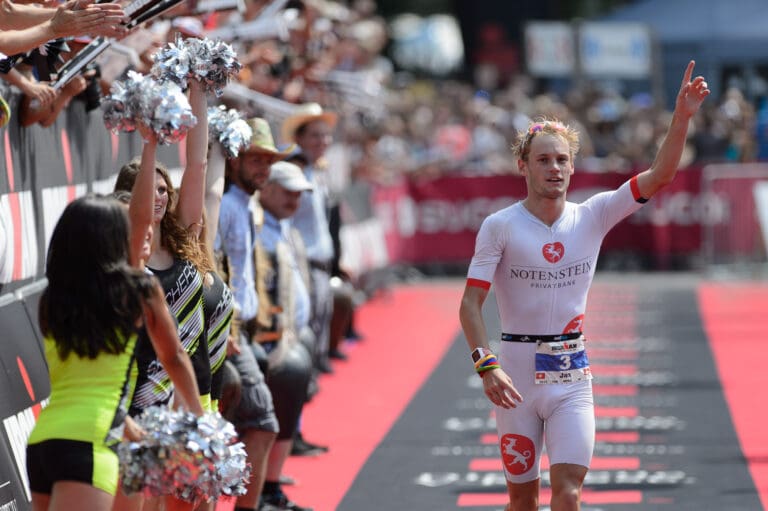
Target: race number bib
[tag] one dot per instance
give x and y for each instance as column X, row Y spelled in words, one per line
column 562, row 362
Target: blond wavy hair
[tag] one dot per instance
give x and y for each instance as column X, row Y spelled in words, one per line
column 548, row 126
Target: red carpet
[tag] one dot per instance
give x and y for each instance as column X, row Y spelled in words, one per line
column 735, row 320
column 405, row 333
column 408, row 330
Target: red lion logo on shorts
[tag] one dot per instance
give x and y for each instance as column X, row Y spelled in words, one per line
column 518, row 453
column 553, row 252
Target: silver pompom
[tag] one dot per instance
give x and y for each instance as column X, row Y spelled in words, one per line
column 211, row 62
column 119, row 105
column 192, row 458
column 162, row 107
column 230, row 129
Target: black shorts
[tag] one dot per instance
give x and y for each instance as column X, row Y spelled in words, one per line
column 55, row 460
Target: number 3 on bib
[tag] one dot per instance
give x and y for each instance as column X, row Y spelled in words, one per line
column 562, row 362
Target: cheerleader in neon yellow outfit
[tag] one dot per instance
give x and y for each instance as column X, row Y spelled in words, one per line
column 96, row 299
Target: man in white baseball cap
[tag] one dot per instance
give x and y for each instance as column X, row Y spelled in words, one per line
column 285, row 278
column 289, row 176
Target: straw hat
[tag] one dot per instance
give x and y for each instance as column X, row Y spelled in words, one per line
column 302, row 115
column 262, row 141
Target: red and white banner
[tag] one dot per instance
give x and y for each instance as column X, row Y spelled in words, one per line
column 437, row 221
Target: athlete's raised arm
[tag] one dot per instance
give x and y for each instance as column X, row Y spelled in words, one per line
column 690, row 97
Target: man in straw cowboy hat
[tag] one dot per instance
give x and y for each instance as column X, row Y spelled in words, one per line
column 311, row 128
column 301, row 117
column 254, row 415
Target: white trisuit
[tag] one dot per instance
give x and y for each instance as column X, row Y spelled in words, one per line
column 541, row 276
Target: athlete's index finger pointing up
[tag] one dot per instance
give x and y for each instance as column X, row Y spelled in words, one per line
column 688, row 73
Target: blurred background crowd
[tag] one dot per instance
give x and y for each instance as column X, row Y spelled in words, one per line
column 412, row 101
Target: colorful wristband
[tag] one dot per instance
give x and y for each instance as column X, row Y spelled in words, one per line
column 487, row 363
column 488, row 367
column 485, row 360
column 483, row 373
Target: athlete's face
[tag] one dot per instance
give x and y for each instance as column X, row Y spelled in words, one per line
column 549, row 166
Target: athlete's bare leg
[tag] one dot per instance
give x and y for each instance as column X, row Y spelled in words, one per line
column 567, row 480
column 523, row 496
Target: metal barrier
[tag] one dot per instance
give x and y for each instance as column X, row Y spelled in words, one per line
column 739, row 245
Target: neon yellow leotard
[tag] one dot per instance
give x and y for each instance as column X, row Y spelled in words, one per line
column 89, row 402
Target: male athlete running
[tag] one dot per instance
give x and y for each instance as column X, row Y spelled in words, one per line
column 541, row 254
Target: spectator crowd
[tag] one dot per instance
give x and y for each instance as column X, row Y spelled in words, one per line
column 391, row 122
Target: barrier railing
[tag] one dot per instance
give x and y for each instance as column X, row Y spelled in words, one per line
column 741, row 244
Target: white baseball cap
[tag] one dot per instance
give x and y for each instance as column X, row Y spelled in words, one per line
column 289, row 176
